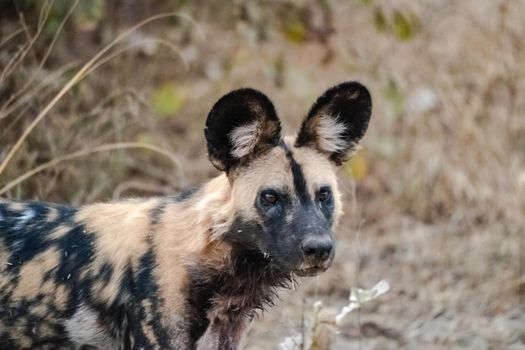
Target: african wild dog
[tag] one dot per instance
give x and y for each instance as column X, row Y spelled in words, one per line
column 184, row 272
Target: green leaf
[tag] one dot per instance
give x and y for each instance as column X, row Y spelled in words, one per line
column 380, row 20
column 295, row 31
column 91, row 10
column 394, row 96
column 403, row 26
column 357, row 167
column 166, row 100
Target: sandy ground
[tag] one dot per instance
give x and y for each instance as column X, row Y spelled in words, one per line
column 449, row 290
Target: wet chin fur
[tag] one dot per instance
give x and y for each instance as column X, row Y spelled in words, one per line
column 299, row 270
column 313, row 270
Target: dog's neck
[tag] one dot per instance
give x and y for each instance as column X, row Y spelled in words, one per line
column 226, row 278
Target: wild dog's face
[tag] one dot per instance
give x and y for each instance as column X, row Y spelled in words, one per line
column 284, row 189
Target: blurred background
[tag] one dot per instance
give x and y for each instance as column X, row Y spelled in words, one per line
column 435, row 199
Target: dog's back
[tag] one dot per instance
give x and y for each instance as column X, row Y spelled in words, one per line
column 71, row 276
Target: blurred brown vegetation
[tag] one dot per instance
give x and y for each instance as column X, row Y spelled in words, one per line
column 435, row 199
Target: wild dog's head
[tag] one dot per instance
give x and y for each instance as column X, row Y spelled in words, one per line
column 284, row 188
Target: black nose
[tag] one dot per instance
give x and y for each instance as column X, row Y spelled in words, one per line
column 317, row 247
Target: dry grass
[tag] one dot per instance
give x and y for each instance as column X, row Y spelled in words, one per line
column 439, row 207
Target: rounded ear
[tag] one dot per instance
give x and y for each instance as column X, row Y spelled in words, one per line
column 241, row 125
column 337, row 121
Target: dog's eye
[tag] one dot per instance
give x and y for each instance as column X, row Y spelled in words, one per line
column 324, row 195
column 270, row 198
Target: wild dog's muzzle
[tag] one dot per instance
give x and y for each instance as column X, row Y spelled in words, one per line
column 318, row 253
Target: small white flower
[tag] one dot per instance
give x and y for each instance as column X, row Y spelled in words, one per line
column 360, row 296
column 290, row 343
column 318, row 305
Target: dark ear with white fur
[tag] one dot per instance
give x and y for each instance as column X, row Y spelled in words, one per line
column 241, row 125
column 337, row 121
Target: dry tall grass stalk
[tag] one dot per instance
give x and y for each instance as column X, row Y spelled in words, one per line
column 98, row 149
column 82, row 72
column 18, row 59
